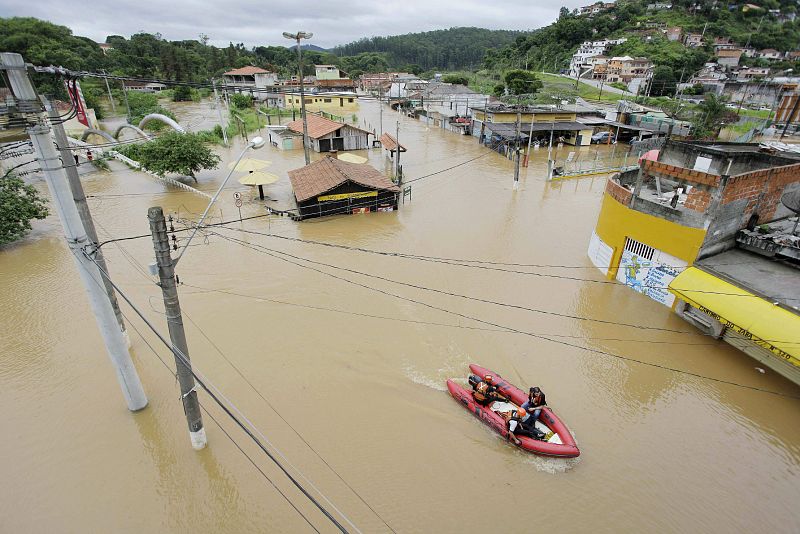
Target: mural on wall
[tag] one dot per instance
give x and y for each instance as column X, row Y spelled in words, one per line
column 649, row 270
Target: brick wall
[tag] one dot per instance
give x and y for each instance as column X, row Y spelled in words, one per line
column 681, row 173
column 618, row 193
column 697, row 200
column 760, row 191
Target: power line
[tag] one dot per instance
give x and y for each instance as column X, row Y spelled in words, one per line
column 278, row 255
column 167, row 367
column 216, row 398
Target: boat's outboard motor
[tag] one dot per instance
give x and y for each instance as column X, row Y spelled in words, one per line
column 474, row 380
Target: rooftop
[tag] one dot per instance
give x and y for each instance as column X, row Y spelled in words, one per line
column 246, row 71
column 328, row 173
column 774, row 280
column 318, row 126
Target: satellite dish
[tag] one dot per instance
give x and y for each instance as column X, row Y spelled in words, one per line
column 792, row 201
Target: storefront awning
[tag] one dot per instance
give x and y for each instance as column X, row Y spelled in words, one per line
column 766, row 324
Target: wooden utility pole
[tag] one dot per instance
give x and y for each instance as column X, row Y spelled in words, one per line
column 80, row 246
column 172, row 307
column 80, row 203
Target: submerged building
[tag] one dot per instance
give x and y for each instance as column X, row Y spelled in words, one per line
column 703, row 231
column 331, row 186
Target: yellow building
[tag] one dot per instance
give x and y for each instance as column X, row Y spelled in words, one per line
column 335, row 103
column 680, row 230
column 509, row 114
column 495, row 122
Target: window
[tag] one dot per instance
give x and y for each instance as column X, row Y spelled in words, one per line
column 327, row 100
column 308, row 100
column 640, row 249
column 350, row 100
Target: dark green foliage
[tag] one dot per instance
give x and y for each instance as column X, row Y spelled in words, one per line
column 663, row 83
column 357, row 65
column 182, row 93
column 450, row 49
column 174, row 153
column 144, row 104
column 710, row 116
column 19, row 204
column 499, row 90
column 522, row 82
column 455, row 79
column 241, row 101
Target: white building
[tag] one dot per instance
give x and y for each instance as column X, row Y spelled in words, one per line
column 250, row 80
column 580, row 63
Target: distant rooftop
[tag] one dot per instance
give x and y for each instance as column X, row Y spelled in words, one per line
column 246, row 71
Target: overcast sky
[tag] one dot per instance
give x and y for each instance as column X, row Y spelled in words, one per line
column 332, row 23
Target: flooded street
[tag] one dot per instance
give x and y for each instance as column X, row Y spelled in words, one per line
column 339, row 357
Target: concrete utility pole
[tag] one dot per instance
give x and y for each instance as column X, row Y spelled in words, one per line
column 80, row 203
column 296, row 37
column 219, row 112
column 792, row 114
column 517, row 150
column 397, row 159
column 110, row 98
column 380, row 104
column 127, row 106
column 75, row 234
column 172, row 307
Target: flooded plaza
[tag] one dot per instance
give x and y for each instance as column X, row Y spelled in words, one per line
column 339, row 357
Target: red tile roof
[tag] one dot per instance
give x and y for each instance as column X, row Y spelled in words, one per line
column 390, row 143
column 317, row 126
column 246, row 71
column 321, row 176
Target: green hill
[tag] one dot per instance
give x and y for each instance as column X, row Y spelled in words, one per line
column 455, row 48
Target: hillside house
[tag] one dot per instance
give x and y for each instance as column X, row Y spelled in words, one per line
column 693, row 40
column 729, row 58
column 674, row 33
column 580, row 64
column 250, row 80
column 769, row 53
column 325, row 135
column 625, row 69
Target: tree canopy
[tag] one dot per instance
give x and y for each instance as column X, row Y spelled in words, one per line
column 19, row 204
column 174, row 153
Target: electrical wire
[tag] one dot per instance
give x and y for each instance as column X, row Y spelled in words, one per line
column 207, row 387
column 279, row 255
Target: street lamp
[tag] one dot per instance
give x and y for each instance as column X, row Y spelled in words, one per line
column 296, row 37
column 256, row 143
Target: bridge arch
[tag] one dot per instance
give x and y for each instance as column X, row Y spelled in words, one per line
column 105, row 135
column 134, row 128
column 163, row 118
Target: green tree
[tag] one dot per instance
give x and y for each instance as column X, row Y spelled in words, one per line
column 663, row 82
column 174, row 153
column 710, row 116
column 241, row 101
column 455, row 79
column 19, row 204
column 521, row 82
column 182, row 93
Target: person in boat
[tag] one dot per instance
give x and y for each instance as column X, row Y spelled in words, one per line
column 485, row 392
column 535, row 402
column 521, row 423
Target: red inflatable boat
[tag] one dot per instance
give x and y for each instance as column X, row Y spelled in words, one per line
column 558, row 442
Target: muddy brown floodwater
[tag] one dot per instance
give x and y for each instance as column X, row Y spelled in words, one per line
column 347, row 379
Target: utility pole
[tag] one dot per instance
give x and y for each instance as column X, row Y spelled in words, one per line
column 792, row 114
column 530, row 137
column 110, row 99
column 380, row 104
column 127, row 106
column 516, row 149
column 397, row 159
column 80, row 203
column 172, row 307
column 79, row 244
column 219, row 112
column 296, row 37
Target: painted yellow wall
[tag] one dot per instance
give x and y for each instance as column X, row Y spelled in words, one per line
column 616, row 222
column 524, row 117
column 317, row 103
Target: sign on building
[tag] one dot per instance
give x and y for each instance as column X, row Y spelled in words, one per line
column 600, row 253
column 649, row 271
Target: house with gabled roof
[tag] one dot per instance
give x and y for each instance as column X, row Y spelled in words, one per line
column 331, row 186
column 325, row 135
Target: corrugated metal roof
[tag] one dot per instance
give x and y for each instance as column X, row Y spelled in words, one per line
column 323, row 175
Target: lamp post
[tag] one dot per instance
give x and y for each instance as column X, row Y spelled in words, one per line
column 296, row 37
column 256, row 143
